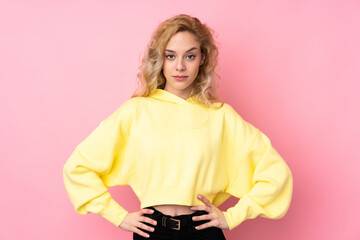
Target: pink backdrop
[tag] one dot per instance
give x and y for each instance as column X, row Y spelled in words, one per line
column 289, row 67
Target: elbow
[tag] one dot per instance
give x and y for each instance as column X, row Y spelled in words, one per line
column 282, row 202
column 278, row 194
column 283, row 181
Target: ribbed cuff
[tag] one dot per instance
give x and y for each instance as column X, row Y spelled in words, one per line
column 108, row 208
column 246, row 208
column 114, row 213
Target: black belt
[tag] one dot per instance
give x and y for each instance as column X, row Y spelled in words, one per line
column 176, row 222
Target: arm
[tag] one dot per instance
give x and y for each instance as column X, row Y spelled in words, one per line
column 93, row 158
column 270, row 183
column 259, row 177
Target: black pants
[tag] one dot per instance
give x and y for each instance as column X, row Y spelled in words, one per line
column 188, row 233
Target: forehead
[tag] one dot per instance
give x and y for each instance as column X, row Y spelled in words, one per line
column 182, row 41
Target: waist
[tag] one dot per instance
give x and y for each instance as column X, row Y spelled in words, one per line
column 179, row 222
column 174, row 209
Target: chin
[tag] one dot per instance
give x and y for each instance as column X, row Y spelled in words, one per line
column 180, row 86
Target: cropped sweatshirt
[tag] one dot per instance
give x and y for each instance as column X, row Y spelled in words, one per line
column 169, row 150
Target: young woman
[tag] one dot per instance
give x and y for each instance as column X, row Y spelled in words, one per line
column 181, row 149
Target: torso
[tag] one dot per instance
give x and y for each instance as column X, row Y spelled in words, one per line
column 174, row 210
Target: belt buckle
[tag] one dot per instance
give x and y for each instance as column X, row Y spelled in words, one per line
column 178, row 223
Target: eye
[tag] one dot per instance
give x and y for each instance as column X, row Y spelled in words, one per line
column 191, row 56
column 170, row 56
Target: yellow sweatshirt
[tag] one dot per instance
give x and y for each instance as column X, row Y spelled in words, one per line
column 169, row 150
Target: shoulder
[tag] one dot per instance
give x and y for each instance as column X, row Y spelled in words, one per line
column 133, row 102
column 229, row 112
column 130, row 105
column 234, row 121
column 227, row 108
column 125, row 112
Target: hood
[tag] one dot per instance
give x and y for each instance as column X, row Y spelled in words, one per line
column 164, row 95
column 188, row 112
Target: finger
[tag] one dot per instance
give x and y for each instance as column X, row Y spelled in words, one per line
column 205, row 200
column 201, row 208
column 148, row 220
column 205, row 225
column 145, row 227
column 202, row 217
column 146, row 211
column 141, row 233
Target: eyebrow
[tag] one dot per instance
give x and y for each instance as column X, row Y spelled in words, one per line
column 168, row 50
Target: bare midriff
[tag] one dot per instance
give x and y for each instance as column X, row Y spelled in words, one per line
column 174, row 210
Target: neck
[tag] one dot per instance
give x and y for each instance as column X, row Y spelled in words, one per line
column 184, row 93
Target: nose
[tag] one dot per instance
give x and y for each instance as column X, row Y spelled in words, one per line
column 180, row 66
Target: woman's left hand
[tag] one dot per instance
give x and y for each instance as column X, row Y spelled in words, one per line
column 216, row 216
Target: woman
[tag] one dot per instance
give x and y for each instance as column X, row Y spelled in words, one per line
column 181, row 150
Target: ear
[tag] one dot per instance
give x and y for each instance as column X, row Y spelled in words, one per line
column 202, row 59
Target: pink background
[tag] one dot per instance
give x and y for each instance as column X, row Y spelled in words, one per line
column 291, row 68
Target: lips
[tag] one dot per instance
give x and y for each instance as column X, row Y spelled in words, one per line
column 178, row 77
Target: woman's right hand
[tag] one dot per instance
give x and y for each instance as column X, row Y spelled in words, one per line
column 133, row 222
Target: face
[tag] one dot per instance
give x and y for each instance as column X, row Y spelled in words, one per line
column 181, row 63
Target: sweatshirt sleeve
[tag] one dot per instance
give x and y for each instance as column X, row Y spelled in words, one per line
column 257, row 174
column 93, row 158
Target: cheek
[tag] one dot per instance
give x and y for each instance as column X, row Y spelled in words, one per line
column 166, row 67
column 195, row 68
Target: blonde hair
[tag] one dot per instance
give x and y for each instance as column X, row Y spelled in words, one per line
column 151, row 77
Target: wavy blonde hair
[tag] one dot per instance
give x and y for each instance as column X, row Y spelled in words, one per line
column 151, row 77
